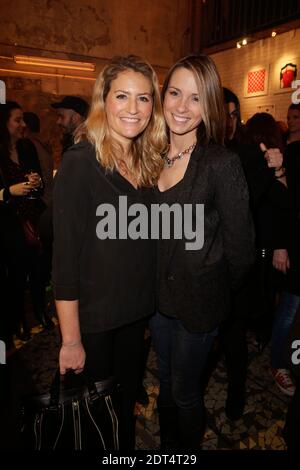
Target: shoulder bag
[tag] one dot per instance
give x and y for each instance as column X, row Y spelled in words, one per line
column 77, row 418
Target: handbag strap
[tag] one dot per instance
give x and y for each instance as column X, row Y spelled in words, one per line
column 59, row 385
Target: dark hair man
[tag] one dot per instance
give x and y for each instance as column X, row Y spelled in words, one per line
column 71, row 112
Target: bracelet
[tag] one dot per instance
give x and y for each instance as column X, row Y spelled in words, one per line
column 72, row 344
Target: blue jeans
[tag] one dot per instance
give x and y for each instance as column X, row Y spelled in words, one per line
column 283, row 320
column 181, row 358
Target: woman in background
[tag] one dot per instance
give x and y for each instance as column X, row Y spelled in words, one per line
column 20, row 177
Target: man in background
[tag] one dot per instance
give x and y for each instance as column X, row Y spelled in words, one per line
column 233, row 118
column 71, row 112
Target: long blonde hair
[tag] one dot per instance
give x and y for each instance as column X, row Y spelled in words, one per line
column 144, row 162
column 212, row 126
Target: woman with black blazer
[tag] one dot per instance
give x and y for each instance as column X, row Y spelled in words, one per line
column 195, row 282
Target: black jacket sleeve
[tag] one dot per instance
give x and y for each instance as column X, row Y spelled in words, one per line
column 232, row 201
column 71, row 202
column 258, row 175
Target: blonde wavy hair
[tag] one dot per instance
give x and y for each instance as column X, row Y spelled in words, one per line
column 212, row 126
column 145, row 161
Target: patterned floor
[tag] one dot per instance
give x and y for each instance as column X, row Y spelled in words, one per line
column 260, row 427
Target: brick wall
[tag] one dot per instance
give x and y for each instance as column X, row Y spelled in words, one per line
column 270, row 54
column 89, row 31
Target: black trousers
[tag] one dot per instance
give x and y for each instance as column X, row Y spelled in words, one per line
column 12, row 272
column 118, row 353
column 234, row 341
column 252, row 305
column 35, row 271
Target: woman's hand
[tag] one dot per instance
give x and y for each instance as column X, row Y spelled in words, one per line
column 20, row 189
column 71, row 356
column 281, row 260
column 273, row 156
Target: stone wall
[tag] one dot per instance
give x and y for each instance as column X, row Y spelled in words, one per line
column 85, row 30
column 156, row 29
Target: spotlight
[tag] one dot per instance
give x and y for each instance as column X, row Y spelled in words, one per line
column 273, row 34
column 244, row 42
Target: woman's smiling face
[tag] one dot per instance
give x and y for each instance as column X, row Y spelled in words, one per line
column 182, row 108
column 15, row 124
column 128, row 106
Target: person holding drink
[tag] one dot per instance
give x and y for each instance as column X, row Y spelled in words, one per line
column 21, row 207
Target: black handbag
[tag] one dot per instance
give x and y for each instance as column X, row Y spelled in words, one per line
column 77, row 418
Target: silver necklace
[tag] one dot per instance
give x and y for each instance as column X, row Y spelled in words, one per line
column 169, row 162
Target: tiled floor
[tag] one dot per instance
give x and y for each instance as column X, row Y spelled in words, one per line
column 260, row 427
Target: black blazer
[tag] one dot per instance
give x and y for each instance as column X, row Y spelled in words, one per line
column 195, row 286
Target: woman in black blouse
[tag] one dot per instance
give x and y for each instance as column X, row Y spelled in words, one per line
column 104, row 281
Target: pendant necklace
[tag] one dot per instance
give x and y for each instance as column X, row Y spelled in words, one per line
column 169, row 162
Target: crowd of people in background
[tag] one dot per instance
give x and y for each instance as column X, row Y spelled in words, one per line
column 26, row 187
column 190, row 146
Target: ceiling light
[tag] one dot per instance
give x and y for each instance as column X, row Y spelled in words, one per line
column 57, row 63
column 47, row 74
column 273, row 34
column 241, row 43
